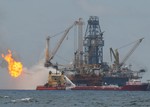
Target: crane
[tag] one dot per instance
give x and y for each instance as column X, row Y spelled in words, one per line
column 48, row 56
column 130, row 52
column 116, row 57
column 119, row 64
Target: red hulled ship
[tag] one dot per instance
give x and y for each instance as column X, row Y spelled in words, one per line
column 132, row 85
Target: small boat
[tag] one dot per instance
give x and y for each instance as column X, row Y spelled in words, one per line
column 56, row 81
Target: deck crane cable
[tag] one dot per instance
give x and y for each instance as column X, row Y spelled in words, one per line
column 75, row 33
column 57, row 34
column 116, row 54
column 127, row 44
column 131, row 51
column 62, row 58
column 60, row 41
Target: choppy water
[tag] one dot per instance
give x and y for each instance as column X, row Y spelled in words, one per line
column 21, row 98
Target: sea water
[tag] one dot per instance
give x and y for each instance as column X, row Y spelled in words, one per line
column 69, row 98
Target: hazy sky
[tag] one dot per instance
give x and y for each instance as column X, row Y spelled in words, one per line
column 24, row 25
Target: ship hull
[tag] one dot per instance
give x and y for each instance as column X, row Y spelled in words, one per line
column 50, row 88
column 95, row 88
column 143, row 87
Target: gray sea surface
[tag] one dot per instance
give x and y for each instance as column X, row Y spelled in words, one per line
column 69, row 98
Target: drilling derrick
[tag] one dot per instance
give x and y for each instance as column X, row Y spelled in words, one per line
column 93, row 42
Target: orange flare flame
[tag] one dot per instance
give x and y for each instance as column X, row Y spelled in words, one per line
column 14, row 67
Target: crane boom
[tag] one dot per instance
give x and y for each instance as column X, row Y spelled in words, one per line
column 60, row 42
column 131, row 51
column 49, row 57
column 115, row 54
column 116, row 57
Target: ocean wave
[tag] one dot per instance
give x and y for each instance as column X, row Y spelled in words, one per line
column 4, row 97
column 27, row 100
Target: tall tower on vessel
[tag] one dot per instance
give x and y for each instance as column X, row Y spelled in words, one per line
column 79, row 53
column 93, row 42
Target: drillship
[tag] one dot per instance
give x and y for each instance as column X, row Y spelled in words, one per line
column 89, row 71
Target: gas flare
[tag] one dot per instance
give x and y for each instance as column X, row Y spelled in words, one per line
column 14, row 67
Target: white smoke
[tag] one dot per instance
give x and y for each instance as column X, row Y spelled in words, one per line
column 29, row 79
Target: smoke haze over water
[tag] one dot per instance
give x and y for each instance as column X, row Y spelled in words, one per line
column 29, row 79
